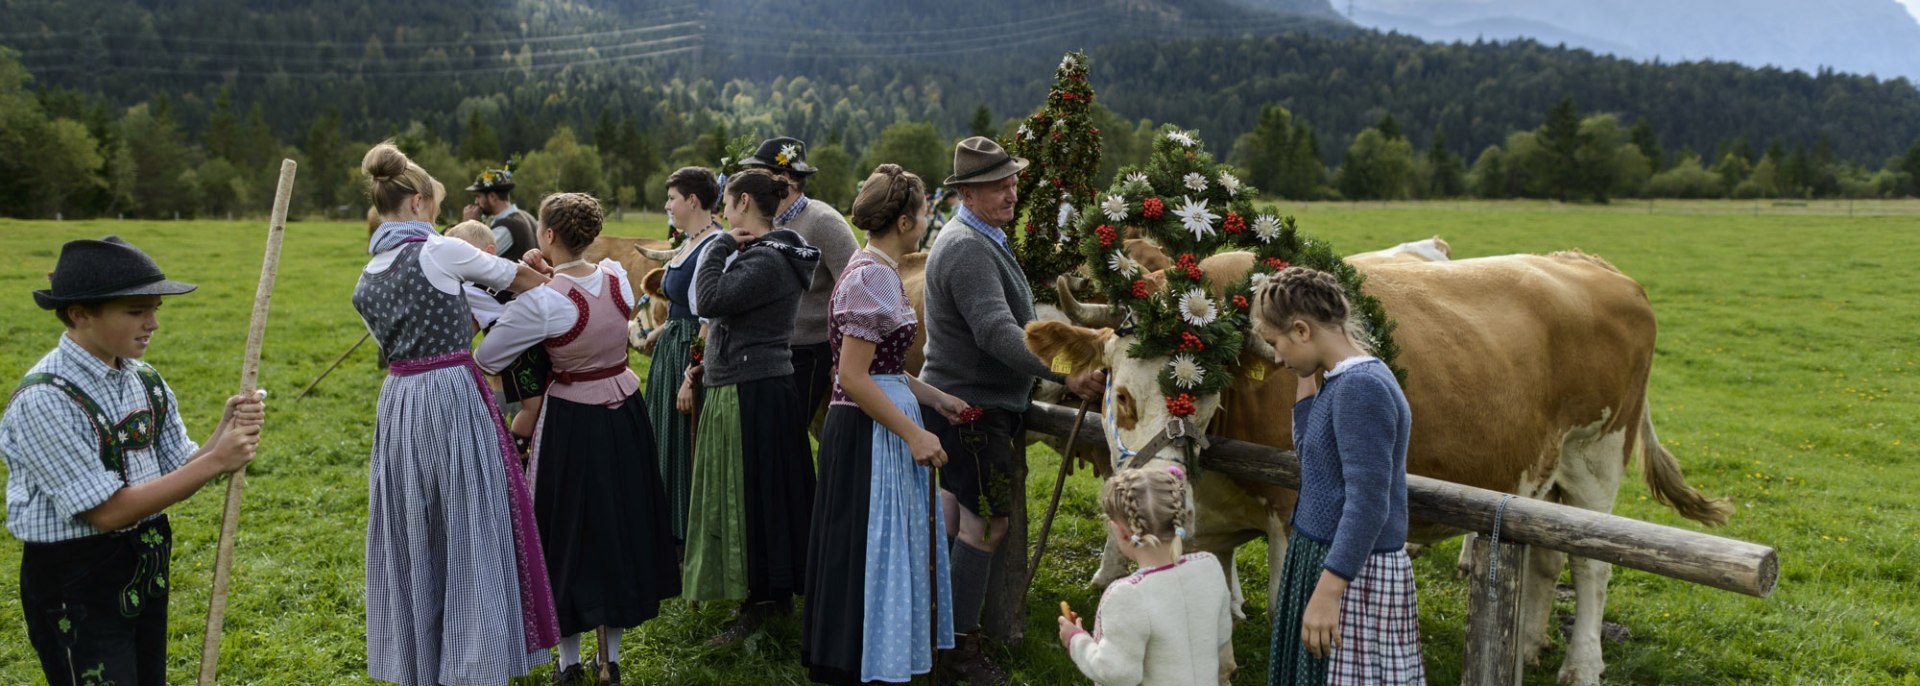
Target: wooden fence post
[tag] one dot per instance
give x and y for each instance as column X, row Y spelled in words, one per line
column 1005, row 614
column 1493, row 614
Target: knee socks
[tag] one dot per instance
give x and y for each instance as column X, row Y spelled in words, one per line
column 968, row 567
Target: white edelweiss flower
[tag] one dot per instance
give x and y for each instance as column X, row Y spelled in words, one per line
column 1123, row 265
column 1186, row 372
column 1066, row 215
column 1196, row 308
column 1265, row 227
column 1115, row 207
column 1137, row 179
column 1183, row 138
column 1230, row 182
column 1195, row 181
column 1194, row 217
column 1024, row 132
column 788, row 153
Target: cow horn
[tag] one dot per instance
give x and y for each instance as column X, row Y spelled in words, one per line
column 1097, row 316
column 1258, row 346
column 655, row 255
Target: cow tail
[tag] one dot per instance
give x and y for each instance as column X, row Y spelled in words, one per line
column 1669, row 486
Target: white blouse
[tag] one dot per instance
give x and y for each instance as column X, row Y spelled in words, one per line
column 542, row 313
column 449, row 263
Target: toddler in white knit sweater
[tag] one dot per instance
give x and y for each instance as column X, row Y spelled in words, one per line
column 1168, row 623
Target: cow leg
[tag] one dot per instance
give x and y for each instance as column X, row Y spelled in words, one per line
column 1113, row 564
column 1236, row 598
column 1590, row 479
column 1276, row 558
column 1536, row 600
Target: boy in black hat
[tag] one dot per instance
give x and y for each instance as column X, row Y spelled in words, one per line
column 822, row 227
column 512, row 227
column 95, row 452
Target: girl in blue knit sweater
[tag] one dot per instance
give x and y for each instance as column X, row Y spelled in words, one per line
column 1346, row 611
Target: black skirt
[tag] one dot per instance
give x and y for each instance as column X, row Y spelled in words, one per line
column 831, row 629
column 602, row 515
column 777, row 471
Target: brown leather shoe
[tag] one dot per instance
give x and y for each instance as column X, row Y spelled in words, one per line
column 968, row 663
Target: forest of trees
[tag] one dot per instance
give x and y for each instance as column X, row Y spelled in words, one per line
column 137, row 112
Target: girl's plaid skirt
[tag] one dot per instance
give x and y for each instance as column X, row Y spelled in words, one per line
column 1379, row 622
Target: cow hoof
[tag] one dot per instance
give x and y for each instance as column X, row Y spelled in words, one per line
column 1578, row 675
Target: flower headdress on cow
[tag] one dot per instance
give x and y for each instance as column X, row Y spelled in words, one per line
column 1194, row 207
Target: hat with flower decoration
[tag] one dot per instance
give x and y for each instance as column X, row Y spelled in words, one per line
column 781, row 154
column 494, row 179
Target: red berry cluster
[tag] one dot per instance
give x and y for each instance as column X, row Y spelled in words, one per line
column 1058, row 182
column 699, row 355
column 1277, row 263
column 1240, row 301
column 1032, row 228
column 1070, row 96
column 1107, row 235
column 970, row 415
column 1141, row 289
column 1152, row 208
column 1189, row 265
column 1234, row 223
column 1180, row 405
column 1190, row 343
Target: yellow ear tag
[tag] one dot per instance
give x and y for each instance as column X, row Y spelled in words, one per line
column 1257, row 370
column 1061, row 363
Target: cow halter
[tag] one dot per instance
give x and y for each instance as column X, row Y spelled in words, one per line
column 1178, row 433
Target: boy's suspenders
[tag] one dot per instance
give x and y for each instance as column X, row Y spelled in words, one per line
column 137, row 431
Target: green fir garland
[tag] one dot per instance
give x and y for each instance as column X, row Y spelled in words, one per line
column 1194, row 207
column 1063, row 147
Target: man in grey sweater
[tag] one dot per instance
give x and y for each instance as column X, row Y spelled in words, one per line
column 977, row 305
column 823, row 228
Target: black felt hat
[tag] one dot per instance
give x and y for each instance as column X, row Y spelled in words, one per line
column 92, row 270
column 781, row 154
column 493, row 180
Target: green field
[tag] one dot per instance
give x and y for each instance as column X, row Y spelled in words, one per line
column 1787, row 379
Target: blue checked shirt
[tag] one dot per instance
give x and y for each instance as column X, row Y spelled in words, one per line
column 794, row 210
column 53, row 456
column 999, row 237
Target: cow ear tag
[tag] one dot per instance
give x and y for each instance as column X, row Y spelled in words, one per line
column 1061, row 363
column 1257, row 370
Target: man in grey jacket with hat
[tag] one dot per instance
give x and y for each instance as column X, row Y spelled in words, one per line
column 978, row 304
column 822, row 227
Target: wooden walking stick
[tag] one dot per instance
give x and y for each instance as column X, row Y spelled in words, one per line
column 600, row 655
column 249, row 381
column 933, row 577
column 336, row 365
column 1053, row 506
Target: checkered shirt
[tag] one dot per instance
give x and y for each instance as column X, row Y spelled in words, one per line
column 53, row 455
column 999, row 236
column 799, row 205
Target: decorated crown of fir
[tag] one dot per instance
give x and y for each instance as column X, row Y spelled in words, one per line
column 1194, row 207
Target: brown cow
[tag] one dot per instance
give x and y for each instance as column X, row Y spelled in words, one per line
column 1527, row 374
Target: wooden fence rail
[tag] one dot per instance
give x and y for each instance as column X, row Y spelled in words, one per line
column 1492, row 653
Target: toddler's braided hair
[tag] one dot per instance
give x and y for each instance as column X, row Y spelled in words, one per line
column 1152, row 503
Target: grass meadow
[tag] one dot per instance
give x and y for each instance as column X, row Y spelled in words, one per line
column 1787, row 378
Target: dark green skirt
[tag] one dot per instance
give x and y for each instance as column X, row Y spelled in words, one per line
column 1291, row 664
column 672, row 442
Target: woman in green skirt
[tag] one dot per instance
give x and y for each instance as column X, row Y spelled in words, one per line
column 752, row 496
column 691, row 196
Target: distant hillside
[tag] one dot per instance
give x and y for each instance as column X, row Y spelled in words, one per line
column 1862, row 36
column 844, row 70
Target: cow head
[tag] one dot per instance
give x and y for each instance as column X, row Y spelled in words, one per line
column 1137, row 421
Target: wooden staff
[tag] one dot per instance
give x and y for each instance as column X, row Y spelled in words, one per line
column 600, row 655
column 249, row 382
column 336, row 365
column 1053, row 506
column 933, row 577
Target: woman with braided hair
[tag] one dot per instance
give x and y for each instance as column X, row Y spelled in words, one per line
column 1346, row 611
column 867, row 557
column 1170, row 623
column 596, row 488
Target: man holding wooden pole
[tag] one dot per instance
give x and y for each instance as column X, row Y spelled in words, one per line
column 96, row 451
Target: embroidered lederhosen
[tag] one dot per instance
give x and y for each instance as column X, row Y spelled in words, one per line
column 137, row 431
